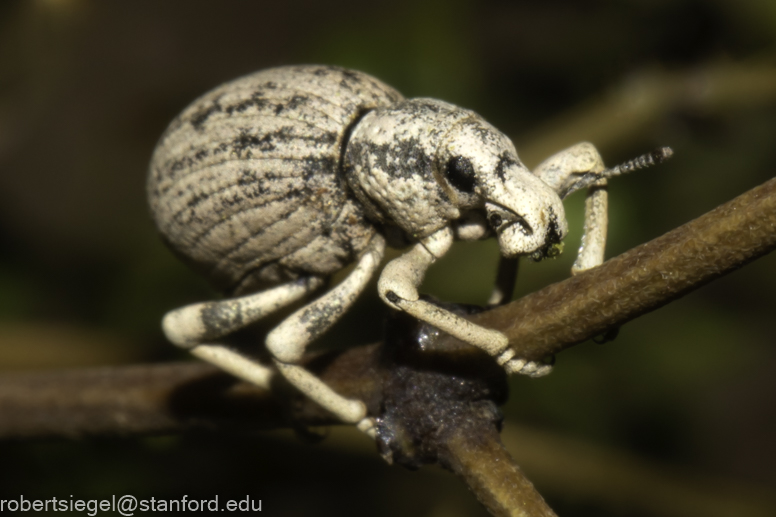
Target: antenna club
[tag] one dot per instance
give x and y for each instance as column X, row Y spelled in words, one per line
column 655, row 157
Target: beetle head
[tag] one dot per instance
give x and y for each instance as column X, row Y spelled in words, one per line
column 482, row 168
column 421, row 163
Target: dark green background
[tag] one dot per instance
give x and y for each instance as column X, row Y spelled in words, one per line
column 86, row 88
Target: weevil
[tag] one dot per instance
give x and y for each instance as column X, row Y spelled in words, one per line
column 270, row 184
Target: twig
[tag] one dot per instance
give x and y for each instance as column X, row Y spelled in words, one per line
column 493, row 475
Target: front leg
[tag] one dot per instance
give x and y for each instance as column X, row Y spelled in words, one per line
column 472, row 226
column 561, row 171
column 506, row 277
column 398, row 287
column 288, row 341
column 593, row 245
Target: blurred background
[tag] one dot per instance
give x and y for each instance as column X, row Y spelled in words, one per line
column 684, row 396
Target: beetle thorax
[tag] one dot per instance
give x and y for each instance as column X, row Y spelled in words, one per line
column 391, row 163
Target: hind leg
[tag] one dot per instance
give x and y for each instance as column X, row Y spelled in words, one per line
column 288, row 341
column 199, row 326
column 191, row 327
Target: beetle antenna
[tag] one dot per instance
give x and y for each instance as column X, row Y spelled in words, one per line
column 655, row 157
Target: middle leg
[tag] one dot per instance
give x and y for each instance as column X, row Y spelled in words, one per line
column 288, row 341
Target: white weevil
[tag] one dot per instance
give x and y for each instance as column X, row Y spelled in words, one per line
column 271, row 183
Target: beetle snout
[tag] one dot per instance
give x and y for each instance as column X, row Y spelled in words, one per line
column 537, row 234
column 516, row 239
column 553, row 246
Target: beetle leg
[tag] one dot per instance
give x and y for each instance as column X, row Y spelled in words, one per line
column 235, row 363
column 473, row 226
column 398, row 287
column 505, row 281
column 579, row 159
column 558, row 171
column 193, row 326
column 287, row 342
column 593, row 245
column 201, row 322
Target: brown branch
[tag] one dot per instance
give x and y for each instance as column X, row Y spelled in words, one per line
column 141, row 399
column 492, row 474
column 168, row 398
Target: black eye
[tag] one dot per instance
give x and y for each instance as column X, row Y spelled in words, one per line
column 460, row 173
column 495, row 221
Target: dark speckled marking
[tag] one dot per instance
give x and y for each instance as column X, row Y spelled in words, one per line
column 201, row 116
column 296, row 101
column 553, row 229
column 318, row 320
column 292, row 194
column 256, row 99
column 246, row 141
column 404, row 159
column 484, row 133
column 399, row 159
column 505, row 161
column 219, row 319
column 315, row 166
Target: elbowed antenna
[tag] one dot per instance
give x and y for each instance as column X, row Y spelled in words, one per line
column 649, row 159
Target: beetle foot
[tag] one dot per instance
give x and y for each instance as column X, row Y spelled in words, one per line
column 368, row 426
column 524, row 367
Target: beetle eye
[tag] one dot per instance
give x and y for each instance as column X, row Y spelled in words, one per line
column 495, row 221
column 460, row 173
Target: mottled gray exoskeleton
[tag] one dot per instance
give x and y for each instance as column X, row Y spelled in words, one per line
column 270, row 184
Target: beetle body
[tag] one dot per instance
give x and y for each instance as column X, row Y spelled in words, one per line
column 271, row 183
column 287, row 172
